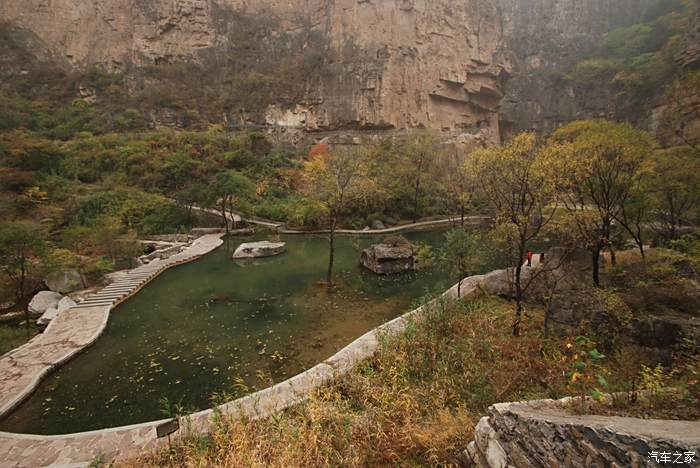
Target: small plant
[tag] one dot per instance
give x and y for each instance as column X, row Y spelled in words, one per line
column 586, row 377
column 653, row 381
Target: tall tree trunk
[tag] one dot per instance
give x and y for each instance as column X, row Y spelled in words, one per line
column 331, row 252
column 518, row 297
column 613, row 257
column 640, row 245
column 595, row 257
column 416, row 197
column 223, row 213
column 20, row 290
column 230, row 210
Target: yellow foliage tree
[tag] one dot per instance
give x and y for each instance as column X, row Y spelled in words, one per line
column 516, row 181
column 337, row 181
column 600, row 164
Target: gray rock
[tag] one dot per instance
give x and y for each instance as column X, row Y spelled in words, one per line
column 497, row 283
column 386, row 259
column 46, row 317
column 51, row 313
column 377, row 225
column 259, row 249
column 64, row 281
column 65, row 304
column 42, row 301
column 495, row 455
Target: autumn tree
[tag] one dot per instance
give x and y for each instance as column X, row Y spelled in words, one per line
column 190, row 196
column 600, row 164
column 336, row 181
column 21, row 245
column 228, row 188
column 674, row 186
column 457, row 183
column 461, row 254
column 417, row 156
column 516, row 182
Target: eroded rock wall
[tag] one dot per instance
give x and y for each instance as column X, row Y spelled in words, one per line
column 467, row 66
column 547, row 37
column 384, row 63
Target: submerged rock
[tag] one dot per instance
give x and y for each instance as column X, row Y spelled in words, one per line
column 388, row 258
column 44, row 300
column 259, row 249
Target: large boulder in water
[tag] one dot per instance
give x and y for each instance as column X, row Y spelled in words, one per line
column 44, row 300
column 64, row 281
column 392, row 256
column 259, row 249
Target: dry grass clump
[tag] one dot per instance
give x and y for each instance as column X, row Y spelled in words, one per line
column 414, row 404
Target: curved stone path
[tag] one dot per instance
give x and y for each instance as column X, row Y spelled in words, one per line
column 279, row 227
column 72, row 330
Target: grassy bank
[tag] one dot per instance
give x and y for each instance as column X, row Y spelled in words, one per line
column 13, row 335
column 415, row 403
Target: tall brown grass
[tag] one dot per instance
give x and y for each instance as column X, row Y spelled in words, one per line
column 415, row 403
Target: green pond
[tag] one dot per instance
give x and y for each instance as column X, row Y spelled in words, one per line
column 219, row 326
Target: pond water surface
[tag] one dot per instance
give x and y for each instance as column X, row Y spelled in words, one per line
column 218, row 325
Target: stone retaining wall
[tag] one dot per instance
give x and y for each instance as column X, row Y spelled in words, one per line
column 543, row 433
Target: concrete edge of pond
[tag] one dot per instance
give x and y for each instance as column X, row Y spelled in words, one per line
column 73, row 330
column 79, row 449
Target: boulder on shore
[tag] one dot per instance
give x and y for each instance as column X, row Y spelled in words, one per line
column 46, row 317
column 389, row 258
column 44, row 300
column 64, row 281
column 377, row 225
column 64, row 304
column 259, row 249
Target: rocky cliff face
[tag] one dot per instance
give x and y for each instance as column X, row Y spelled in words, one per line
column 547, row 37
column 318, row 64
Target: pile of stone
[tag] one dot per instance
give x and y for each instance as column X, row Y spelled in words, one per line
column 48, row 304
column 546, row 433
column 162, row 250
column 394, row 255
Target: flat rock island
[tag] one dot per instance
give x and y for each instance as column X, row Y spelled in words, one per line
column 259, row 249
column 389, row 257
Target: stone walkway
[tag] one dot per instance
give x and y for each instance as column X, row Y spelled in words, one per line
column 279, row 227
column 70, row 332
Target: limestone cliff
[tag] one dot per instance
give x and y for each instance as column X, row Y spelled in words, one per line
column 312, row 64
